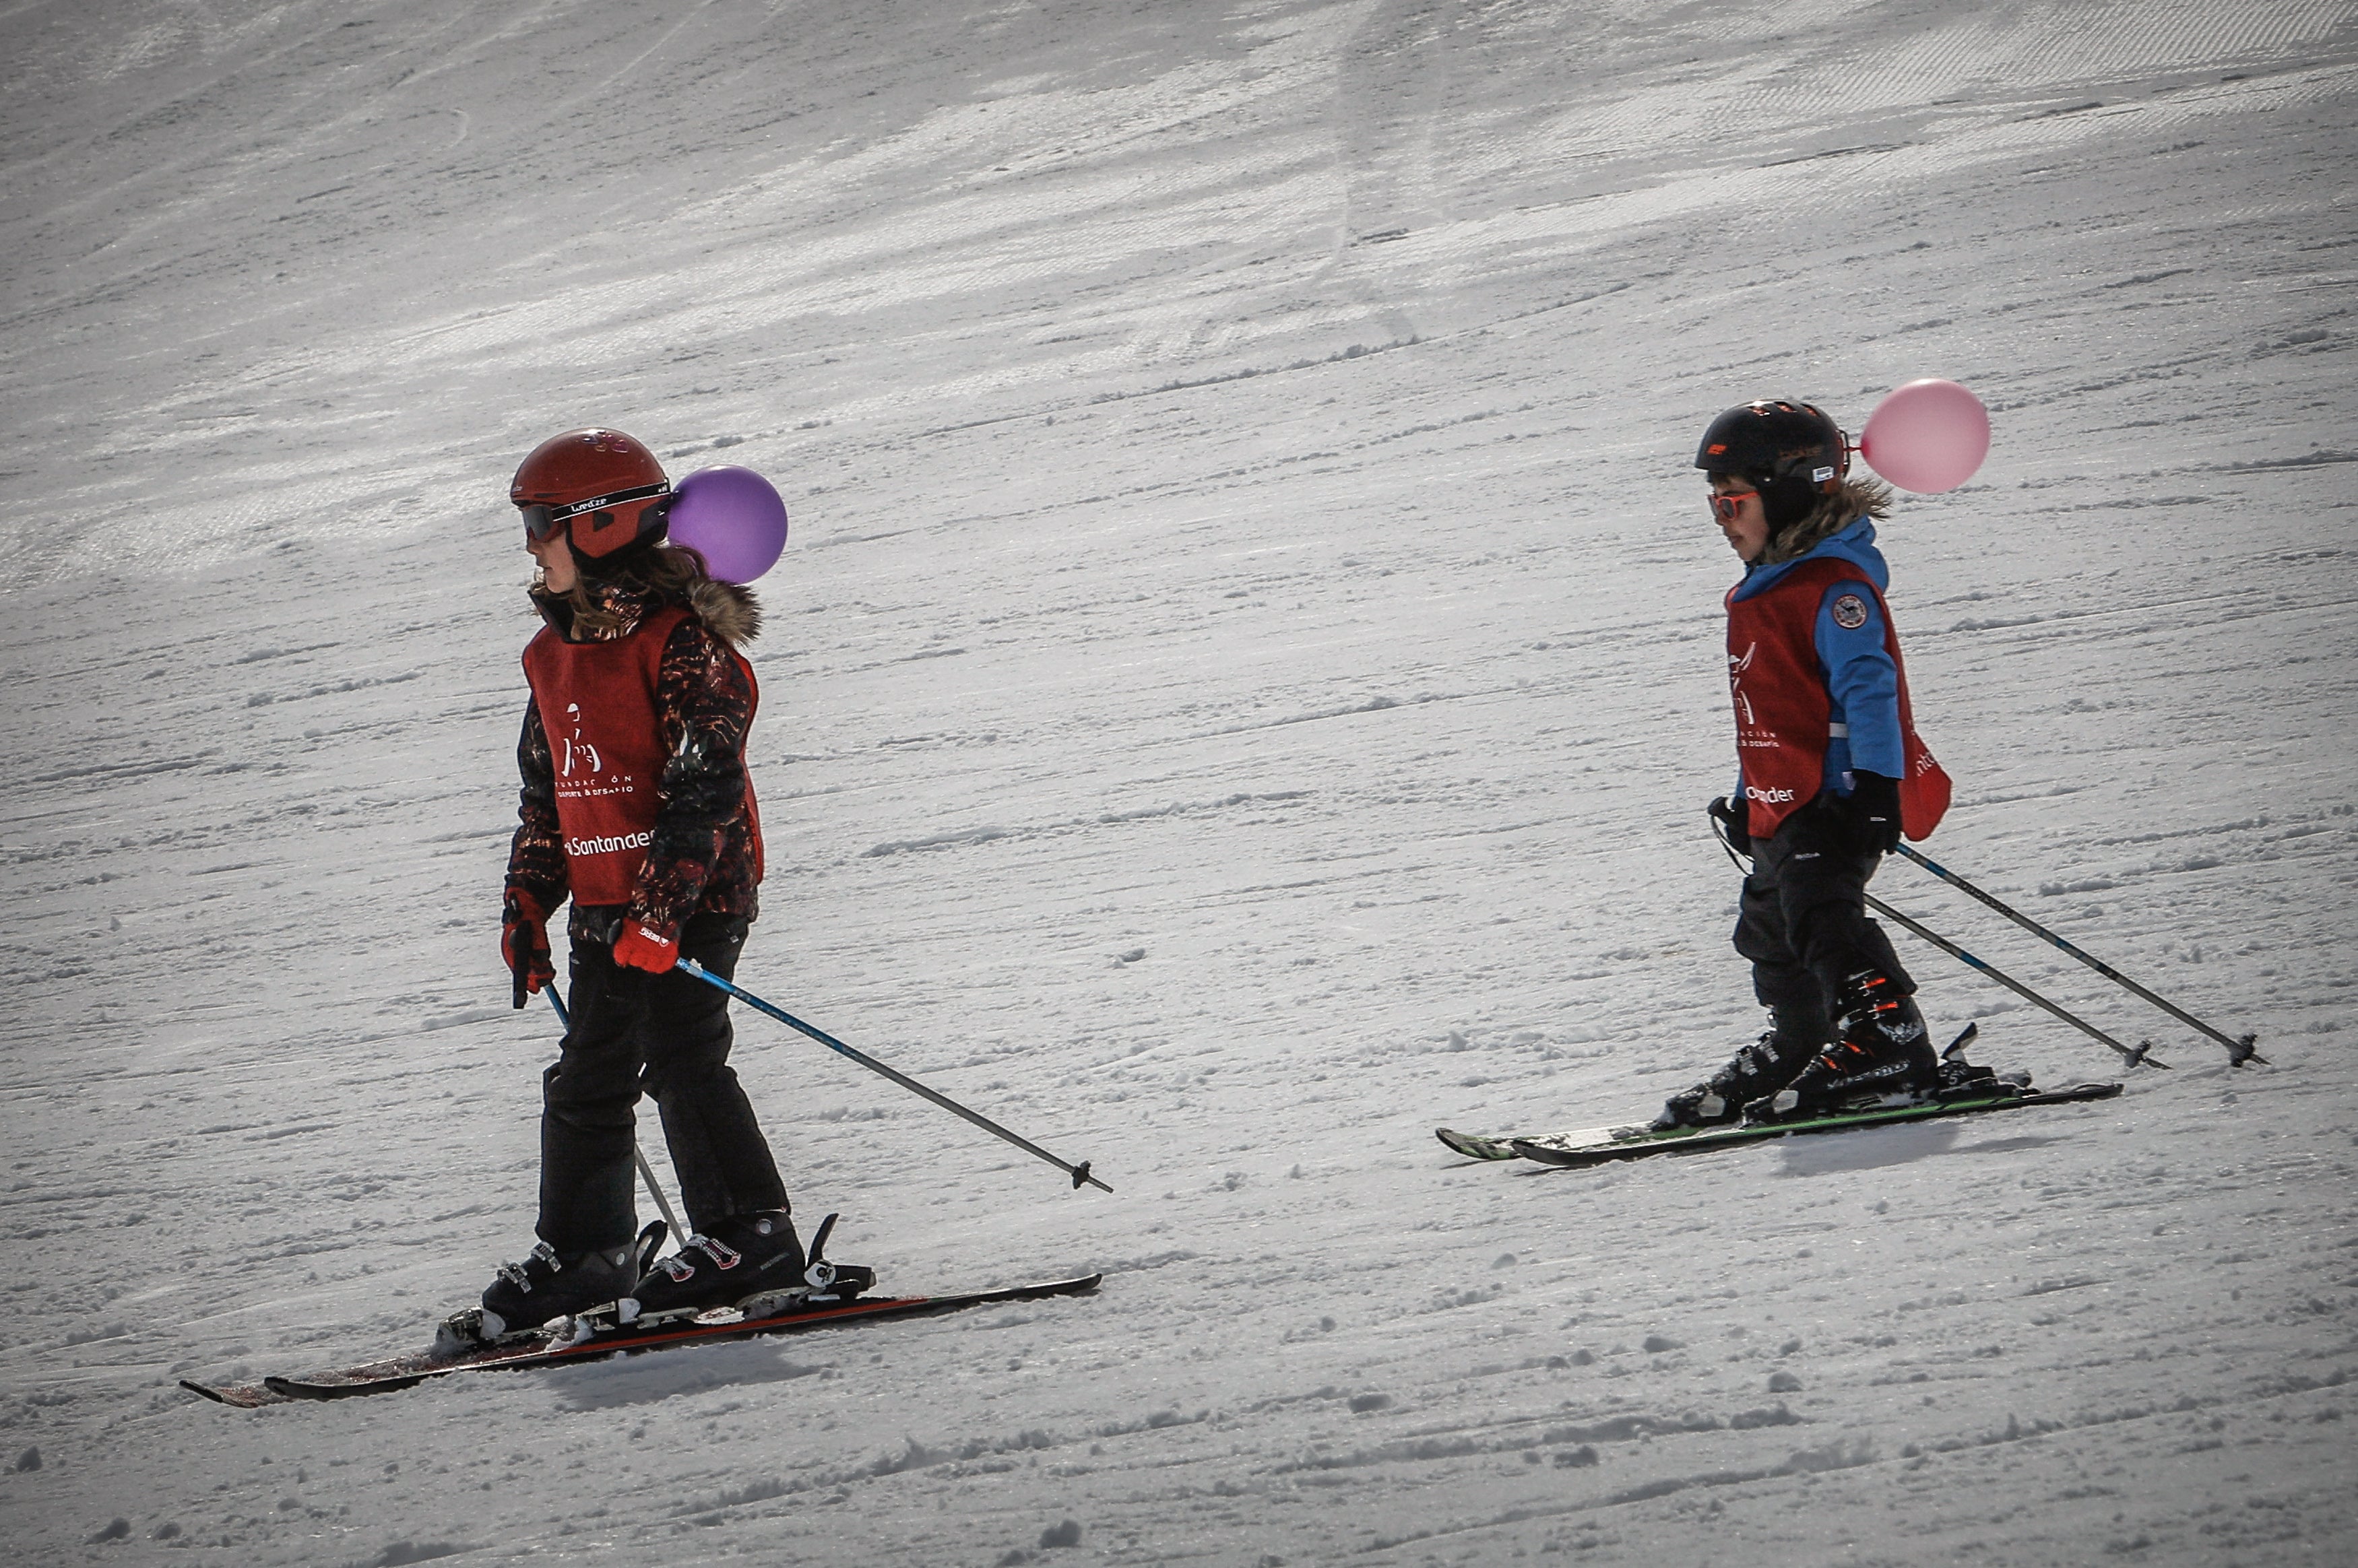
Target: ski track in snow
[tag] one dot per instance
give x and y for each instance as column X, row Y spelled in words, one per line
column 1241, row 693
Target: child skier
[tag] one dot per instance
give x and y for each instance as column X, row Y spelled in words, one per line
column 1830, row 772
column 635, row 805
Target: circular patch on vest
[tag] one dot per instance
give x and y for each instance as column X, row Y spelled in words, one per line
column 1850, row 613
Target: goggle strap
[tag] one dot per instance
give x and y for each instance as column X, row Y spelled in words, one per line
column 575, row 509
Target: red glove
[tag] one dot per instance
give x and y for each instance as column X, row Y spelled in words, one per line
column 524, row 942
column 642, row 947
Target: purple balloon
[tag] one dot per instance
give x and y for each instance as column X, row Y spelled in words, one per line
column 734, row 518
column 1928, row 436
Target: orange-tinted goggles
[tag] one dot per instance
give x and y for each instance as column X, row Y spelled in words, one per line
column 1722, row 507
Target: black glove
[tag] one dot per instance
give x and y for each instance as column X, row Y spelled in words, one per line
column 1871, row 813
column 1735, row 824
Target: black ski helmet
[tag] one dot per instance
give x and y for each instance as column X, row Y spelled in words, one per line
column 1777, row 439
column 1791, row 451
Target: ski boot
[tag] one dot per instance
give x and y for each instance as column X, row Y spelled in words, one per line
column 1759, row 1069
column 749, row 1261
column 546, row 1286
column 1884, row 1058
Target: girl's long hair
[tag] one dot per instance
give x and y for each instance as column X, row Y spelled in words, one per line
column 645, row 577
column 662, row 570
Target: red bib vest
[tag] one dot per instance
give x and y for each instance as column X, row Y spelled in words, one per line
column 598, row 706
column 1783, row 710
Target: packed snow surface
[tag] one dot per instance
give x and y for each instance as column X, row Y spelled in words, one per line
column 1240, row 693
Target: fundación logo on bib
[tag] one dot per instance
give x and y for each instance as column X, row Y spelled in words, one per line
column 575, row 747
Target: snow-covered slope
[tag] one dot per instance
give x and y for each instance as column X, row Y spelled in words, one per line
column 1240, row 693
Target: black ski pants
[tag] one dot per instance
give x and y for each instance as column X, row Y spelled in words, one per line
column 665, row 1035
column 1802, row 922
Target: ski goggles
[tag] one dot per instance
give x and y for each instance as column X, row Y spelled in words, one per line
column 1726, row 507
column 540, row 519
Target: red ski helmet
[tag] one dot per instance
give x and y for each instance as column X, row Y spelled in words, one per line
column 604, row 487
column 1772, row 440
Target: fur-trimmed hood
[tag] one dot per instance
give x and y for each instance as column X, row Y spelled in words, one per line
column 1857, row 498
column 1843, row 526
column 729, row 611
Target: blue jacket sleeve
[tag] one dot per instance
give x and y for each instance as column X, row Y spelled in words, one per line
column 1861, row 680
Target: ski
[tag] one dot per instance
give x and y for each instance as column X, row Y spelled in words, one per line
column 1501, row 1146
column 559, row 1347
column 1597, row 1146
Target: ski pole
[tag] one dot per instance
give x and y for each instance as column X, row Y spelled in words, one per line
column 2239, row 1051
column 2134, row 1055
column 647, row 1172
column 1080, row 1172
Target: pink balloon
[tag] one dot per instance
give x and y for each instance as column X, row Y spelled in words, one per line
column 1928, row 436
column 734, row 517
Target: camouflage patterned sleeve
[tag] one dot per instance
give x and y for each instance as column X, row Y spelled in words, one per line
column 537, row 855
column 700, row 854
